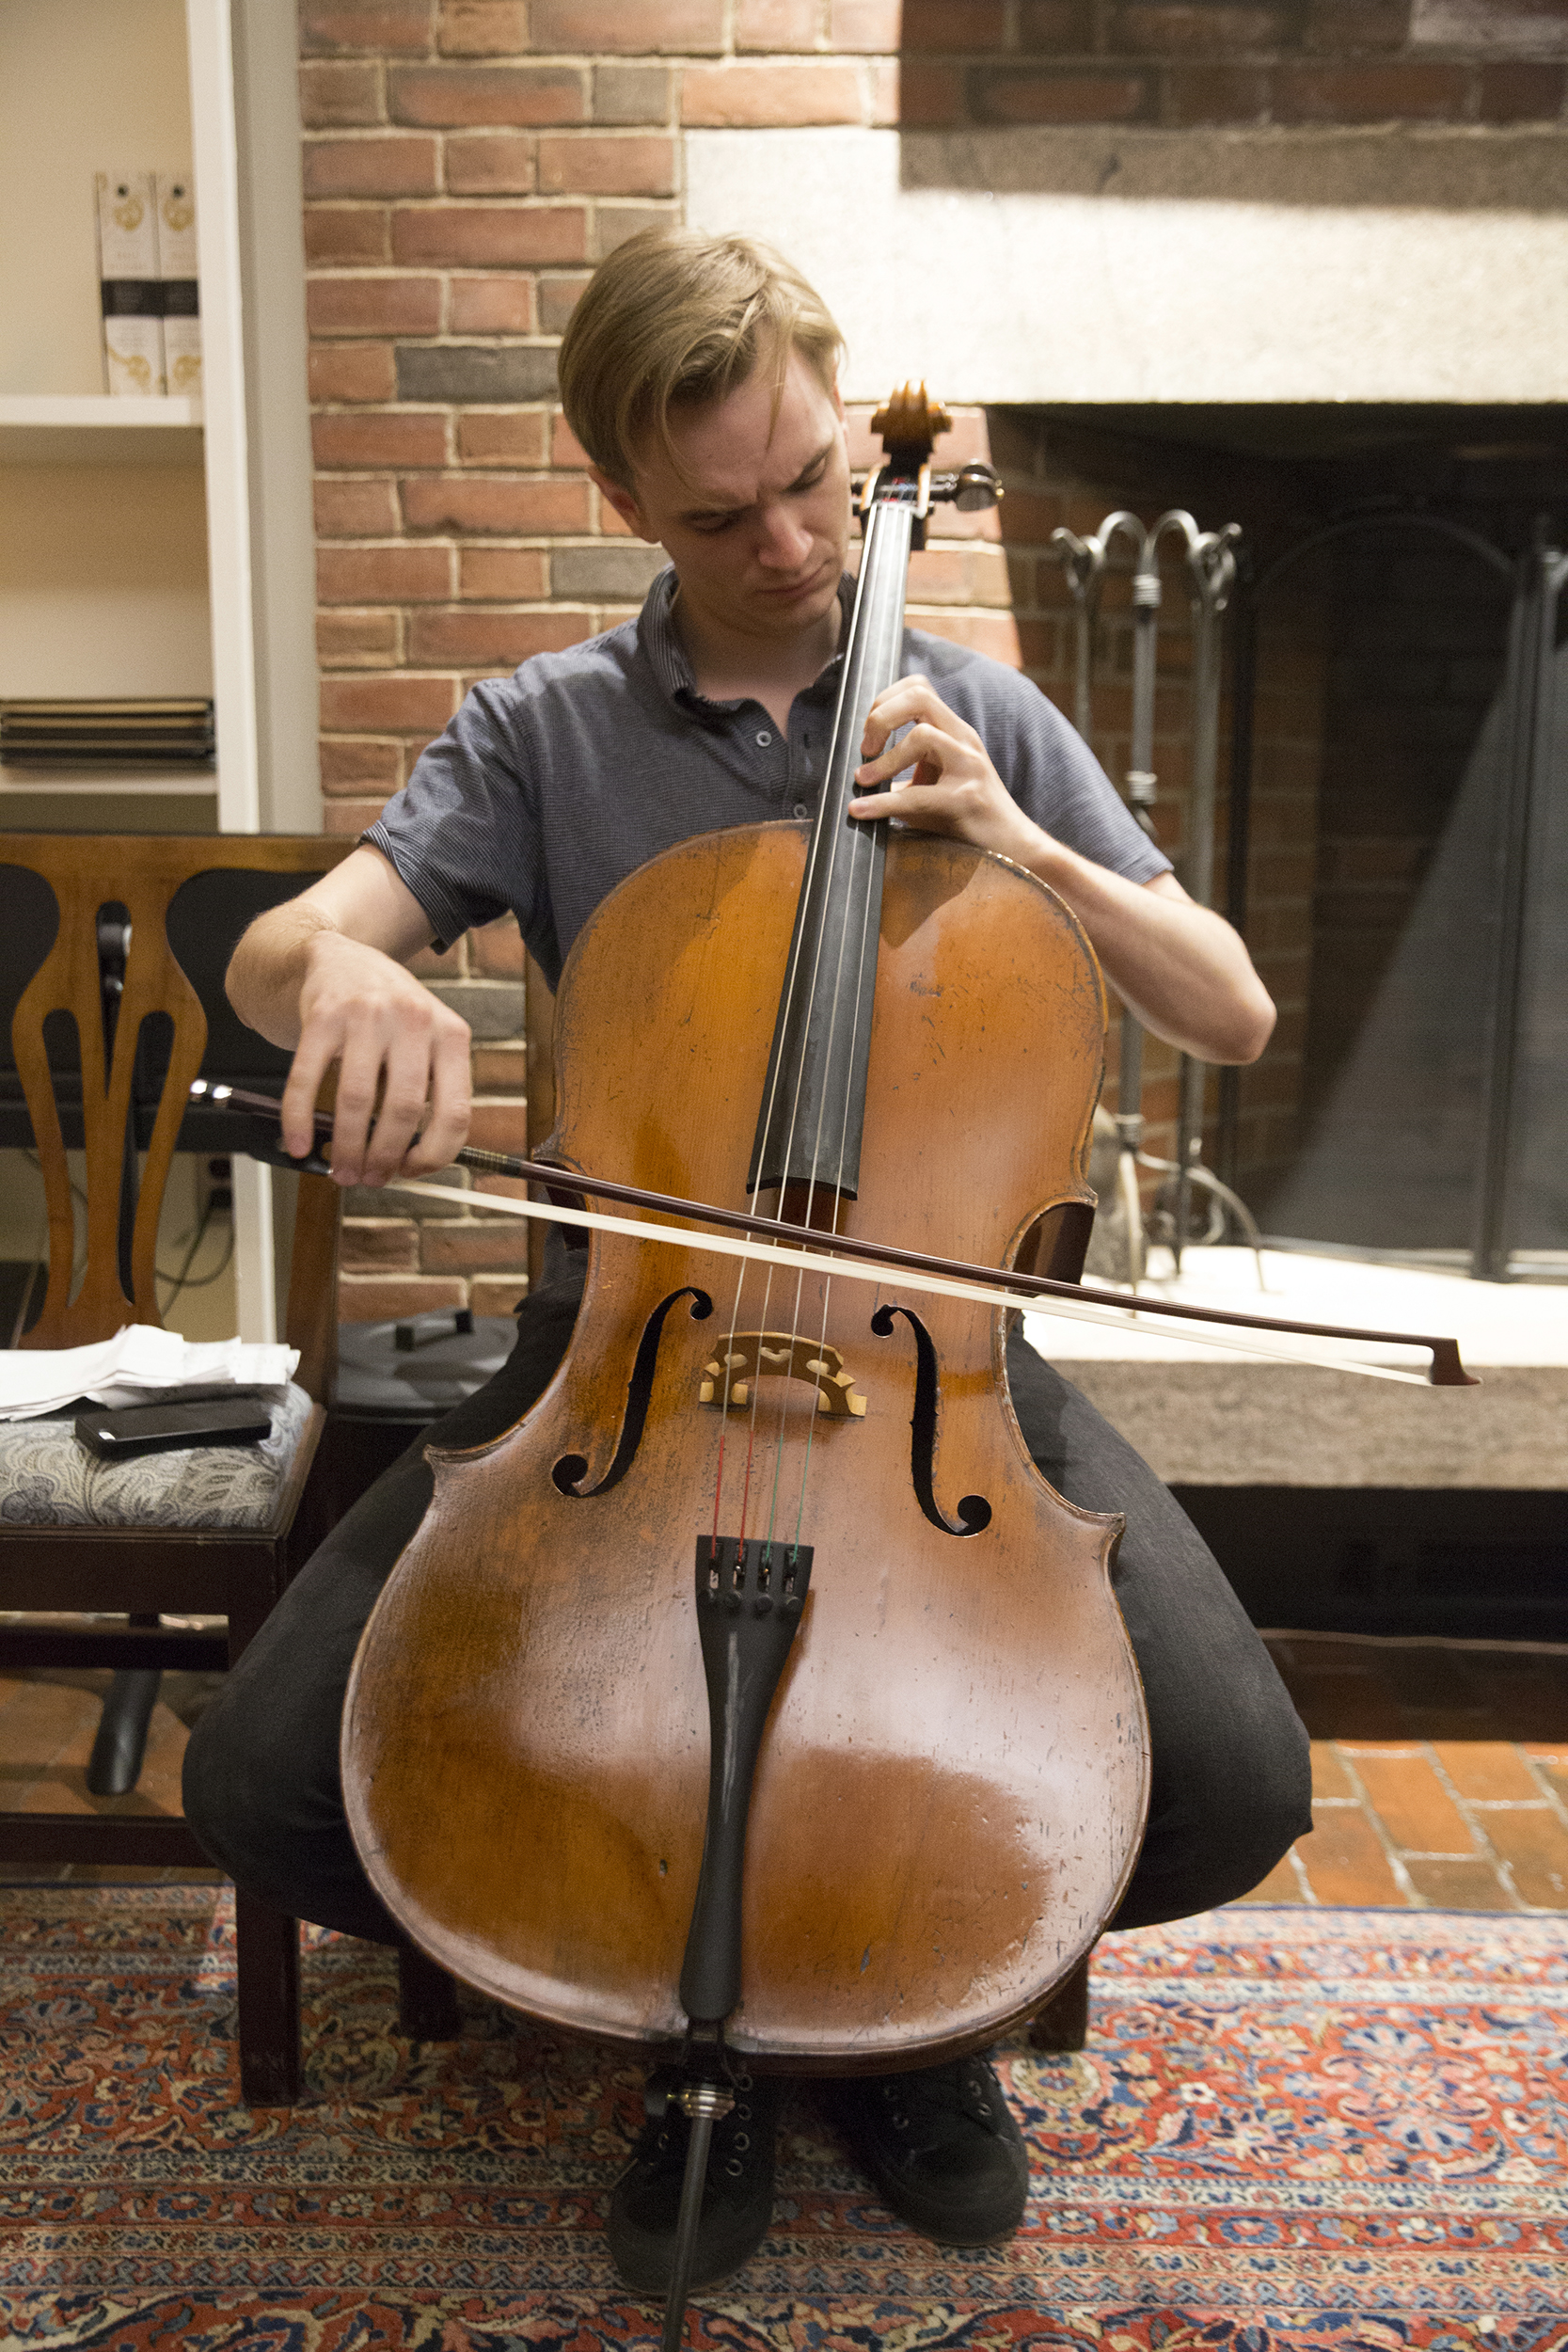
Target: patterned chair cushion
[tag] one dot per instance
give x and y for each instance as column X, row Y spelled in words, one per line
column 48, row 1480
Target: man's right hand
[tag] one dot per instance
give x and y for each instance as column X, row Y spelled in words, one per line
column 325, row 973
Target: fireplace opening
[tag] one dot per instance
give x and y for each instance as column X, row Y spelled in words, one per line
column 1392, row 805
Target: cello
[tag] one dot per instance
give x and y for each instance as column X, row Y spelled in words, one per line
column 763, row 1530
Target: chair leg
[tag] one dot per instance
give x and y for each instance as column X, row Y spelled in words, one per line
column 427, row 1999
column 1063, row 2023
column 114, row 1765
column 267, row 1952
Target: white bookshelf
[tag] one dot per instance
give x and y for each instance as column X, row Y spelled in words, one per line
column 160, row 546
column 70, row 428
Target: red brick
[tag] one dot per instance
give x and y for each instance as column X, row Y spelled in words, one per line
column 1218, row 93
column 449, row 1245
column 332, row 94
column 358, row 641
column 1139, row 28
column 592, row 165
column 1004, row 95
column 380, row 1245
column 616, row 219
column 498, row 163
column 401, row 166
column 829, row 91
column 468, row 636
column 498, row 1127
column 1343, row 1860
column 993, row 633
column 499, row 97
column 1057, row 27
column 1412, row 1802
column 498, row 950
column 1459, row 1884
column 565, row 449
column 352, row 372
column 1340, row 24
column 347, row 233
column 504, row 506
column 394, row 575
column 351, row 765
column 376, row 25
column 359, row 306
column 1491, row 1770
column 501, row 437
column 496, row 304
column 500, row 1065
column 955, row 27
column 1405, row 92
column 677, row 27
column 497, row 1295
column 479, row 234
column 395, row 705
column 482, row 28
column 355, row 510
column 1534, row 1844
column 1521, row 93
column 346, row 819
column 497, row 575
column 388, row 1298
column 776, row 25
column 871, row 26
column 386, row 439
column 558, row 299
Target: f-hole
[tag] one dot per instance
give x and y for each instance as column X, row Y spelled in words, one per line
column 973, row 1510
column 571, row 1467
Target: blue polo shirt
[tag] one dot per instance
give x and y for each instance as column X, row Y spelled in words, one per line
column 552, row 785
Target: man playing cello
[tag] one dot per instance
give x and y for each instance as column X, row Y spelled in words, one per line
column 700, row 374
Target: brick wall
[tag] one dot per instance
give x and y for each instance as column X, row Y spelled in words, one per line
column 1181, row 63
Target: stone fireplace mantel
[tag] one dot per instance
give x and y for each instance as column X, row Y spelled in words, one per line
column 1270, row 266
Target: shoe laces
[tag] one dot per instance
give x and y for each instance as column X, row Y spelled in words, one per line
column 930, row 2097
column 663, row 2140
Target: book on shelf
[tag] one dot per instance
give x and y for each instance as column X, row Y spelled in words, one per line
column 131, row 295
column 179, row 285
column 137, row 731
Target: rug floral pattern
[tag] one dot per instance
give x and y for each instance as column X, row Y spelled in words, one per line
column 1291, row 2131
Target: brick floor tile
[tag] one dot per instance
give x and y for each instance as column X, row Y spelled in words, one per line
column 1330, row 1776
column 1343, row 1860
column 1412, row 1802
column 1487, row 1769
column 1534, row 1843
column 1282, row 1885
column 1457, row 1884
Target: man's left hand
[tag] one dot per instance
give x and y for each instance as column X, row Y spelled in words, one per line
column 954, row 788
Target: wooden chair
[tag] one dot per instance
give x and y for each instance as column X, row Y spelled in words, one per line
column 145, row 1570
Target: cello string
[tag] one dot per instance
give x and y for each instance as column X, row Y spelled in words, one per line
column 849, row 684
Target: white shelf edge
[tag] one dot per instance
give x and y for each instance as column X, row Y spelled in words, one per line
column 91, row 411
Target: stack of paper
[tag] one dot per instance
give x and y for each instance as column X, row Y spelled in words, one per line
column 121, row 1371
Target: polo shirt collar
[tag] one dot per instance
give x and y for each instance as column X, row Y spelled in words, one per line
column 660, row 641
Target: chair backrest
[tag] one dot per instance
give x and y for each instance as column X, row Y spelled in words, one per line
column 126, row 883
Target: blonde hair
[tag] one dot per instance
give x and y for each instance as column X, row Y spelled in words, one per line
column 676, row 318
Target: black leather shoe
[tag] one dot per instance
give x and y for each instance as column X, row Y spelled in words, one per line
column 737, row 2200
column 942, row 2146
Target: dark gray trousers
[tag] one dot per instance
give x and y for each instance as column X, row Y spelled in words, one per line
column 1230, row 1778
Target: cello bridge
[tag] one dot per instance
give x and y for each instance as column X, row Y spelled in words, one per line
column 753, row 1356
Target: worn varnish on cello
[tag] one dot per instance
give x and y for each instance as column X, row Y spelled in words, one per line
column 863, row 1030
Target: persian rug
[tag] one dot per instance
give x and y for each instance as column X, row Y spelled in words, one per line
column 1291, row 2131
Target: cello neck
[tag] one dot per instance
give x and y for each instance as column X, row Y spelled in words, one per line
column 810, row 1123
